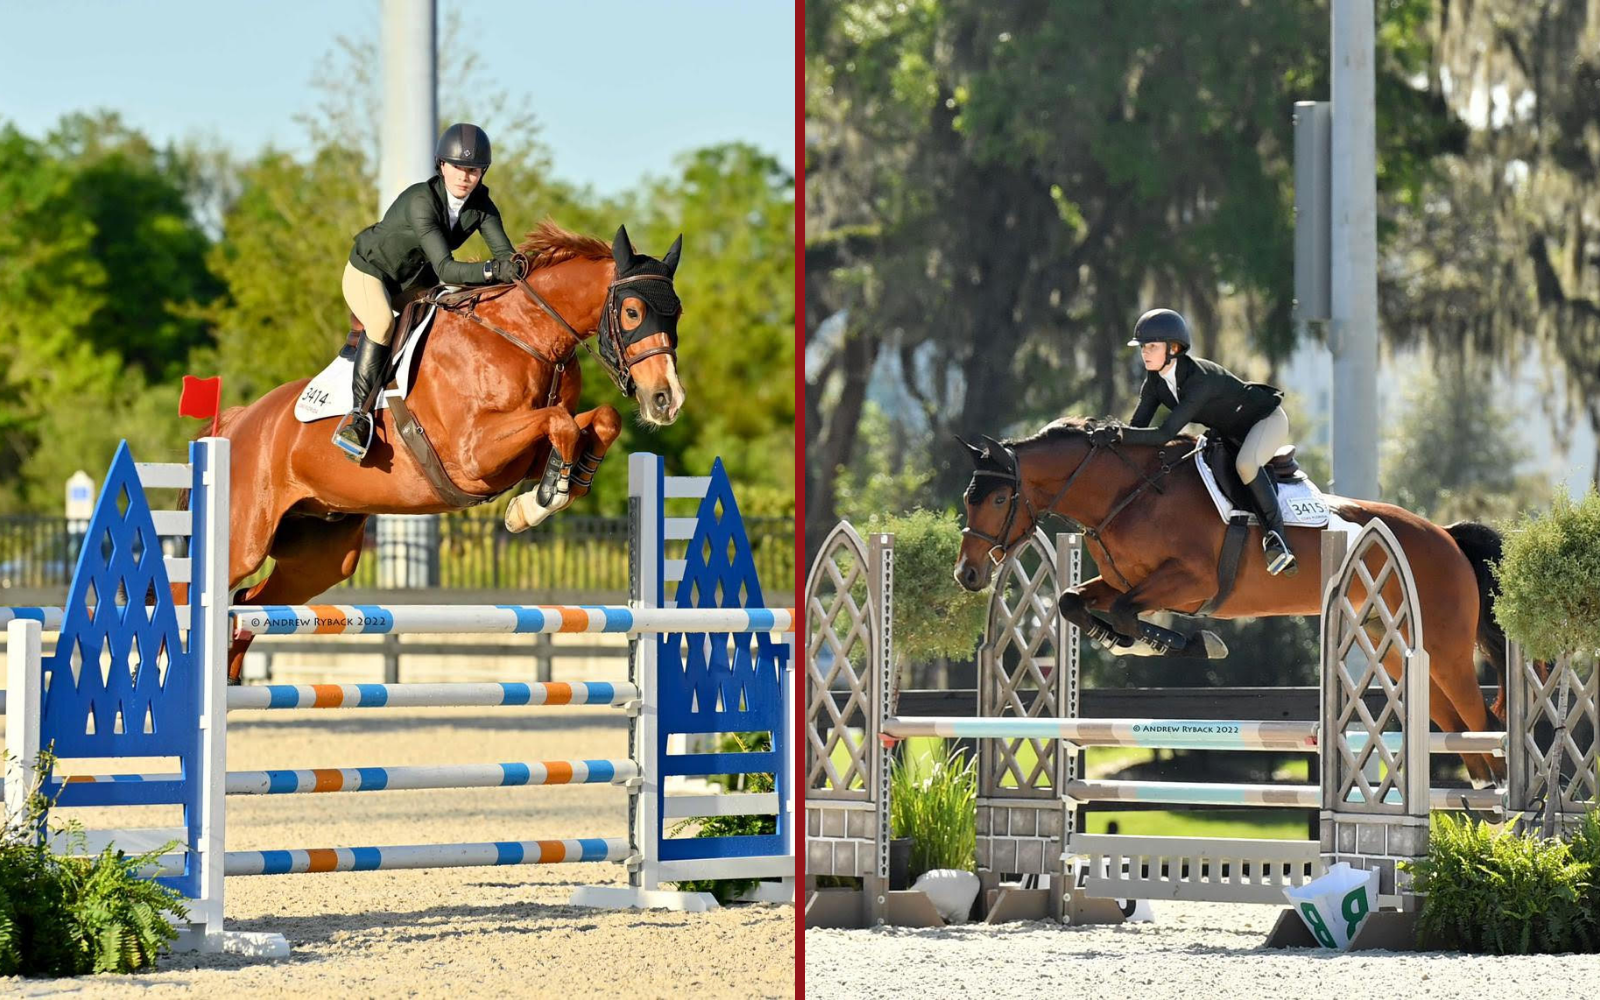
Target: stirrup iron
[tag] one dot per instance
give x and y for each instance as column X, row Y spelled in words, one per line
column 350, row 423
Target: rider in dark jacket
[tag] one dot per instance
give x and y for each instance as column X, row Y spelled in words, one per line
column 1246, row 414
column 409, row 251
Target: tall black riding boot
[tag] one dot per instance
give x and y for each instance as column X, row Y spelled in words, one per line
column 1275, row 544
column 354, row 433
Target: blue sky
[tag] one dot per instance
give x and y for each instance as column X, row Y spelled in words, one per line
column 696, row 71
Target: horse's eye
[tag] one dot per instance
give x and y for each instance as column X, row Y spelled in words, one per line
column 633, row 314
column 999, row 498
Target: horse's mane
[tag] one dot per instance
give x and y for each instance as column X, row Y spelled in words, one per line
column 1066, row 428
column 549, row 245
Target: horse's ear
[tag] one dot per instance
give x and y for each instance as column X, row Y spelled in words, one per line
column 671, row 259
column 993, row 447
column 622, row 250
column 972, row 449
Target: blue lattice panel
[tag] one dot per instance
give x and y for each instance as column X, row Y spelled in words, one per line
column 121, row 682
column 704, row 689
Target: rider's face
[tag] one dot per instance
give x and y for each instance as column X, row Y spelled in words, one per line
column 1154, row 355
column 460, row 181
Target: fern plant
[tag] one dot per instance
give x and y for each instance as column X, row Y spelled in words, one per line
column 67, row 915
column 1493, row 891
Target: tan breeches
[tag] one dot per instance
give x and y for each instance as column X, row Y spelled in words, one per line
column 367, row 298
column 1264, row 439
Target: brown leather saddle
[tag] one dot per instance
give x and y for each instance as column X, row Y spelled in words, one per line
column 1219, row 456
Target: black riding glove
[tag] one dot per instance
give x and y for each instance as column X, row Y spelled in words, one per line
column 504, row 270
column 1105, row 434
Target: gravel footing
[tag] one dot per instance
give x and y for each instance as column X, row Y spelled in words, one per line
column 1193, row 951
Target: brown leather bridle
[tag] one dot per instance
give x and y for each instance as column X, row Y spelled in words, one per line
column 999, row 549
column 614, row 341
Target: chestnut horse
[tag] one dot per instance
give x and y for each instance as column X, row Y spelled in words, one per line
column 495, row 391
column 1156, row 537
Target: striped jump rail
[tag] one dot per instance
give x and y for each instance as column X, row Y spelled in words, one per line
column 49, row 619
column 393, row 779
column 1262, row 796
column 1169, row 734
column 375, row 859
column 341, row 619
column 446, row 695
column 467, row 619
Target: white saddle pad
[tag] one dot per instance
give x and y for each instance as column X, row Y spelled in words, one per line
column 330, row 394
column 1302, row 503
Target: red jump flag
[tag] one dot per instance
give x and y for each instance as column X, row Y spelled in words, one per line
column 200, row 397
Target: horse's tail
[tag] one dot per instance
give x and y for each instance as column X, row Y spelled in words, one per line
column 1481, row 545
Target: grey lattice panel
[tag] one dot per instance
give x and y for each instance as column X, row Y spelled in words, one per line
column 1372, row 640
column 1021, row 671
column 841, row 644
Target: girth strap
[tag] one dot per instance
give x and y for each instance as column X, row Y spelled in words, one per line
column 1228, row 563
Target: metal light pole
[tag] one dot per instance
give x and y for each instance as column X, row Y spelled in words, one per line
column 1353, row 334
column 410, row 97
column 408, row 545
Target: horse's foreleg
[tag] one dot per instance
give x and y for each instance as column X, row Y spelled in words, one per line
column 601, row 427
column 1076, row 603
column 1171, row 585
column 567, row 439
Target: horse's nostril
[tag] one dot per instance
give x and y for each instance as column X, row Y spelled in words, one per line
column 662, row 399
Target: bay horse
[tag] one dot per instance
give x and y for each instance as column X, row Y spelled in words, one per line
column 1156, row 537
column 494, row 396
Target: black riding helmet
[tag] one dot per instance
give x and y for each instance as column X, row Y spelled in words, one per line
column 1161, row 326
column 464, row 145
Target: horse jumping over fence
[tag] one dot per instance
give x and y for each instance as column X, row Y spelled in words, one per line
column 494, row 401
column 1154, row 532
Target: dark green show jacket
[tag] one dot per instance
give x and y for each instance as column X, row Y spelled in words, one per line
column 410, row 246
column 1208, row 394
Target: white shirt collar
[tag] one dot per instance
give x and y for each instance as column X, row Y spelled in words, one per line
column 1170, row 376
column 453, row 206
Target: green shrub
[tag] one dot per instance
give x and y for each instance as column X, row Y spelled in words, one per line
column 1496, row 892
column 1549, row 575
column 933, row 616
column 938, row 809
column 69, row 916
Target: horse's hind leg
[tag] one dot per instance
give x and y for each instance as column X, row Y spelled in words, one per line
column 1456, row 701
column 309, row 556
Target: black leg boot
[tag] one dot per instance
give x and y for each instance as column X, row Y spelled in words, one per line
column 354, row 433
column 1276, row 541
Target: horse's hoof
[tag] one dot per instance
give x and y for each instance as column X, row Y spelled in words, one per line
column 1215, row 648
column 527, row 512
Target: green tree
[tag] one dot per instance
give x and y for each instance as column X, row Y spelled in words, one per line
column 100, row 268
column 994, row 191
